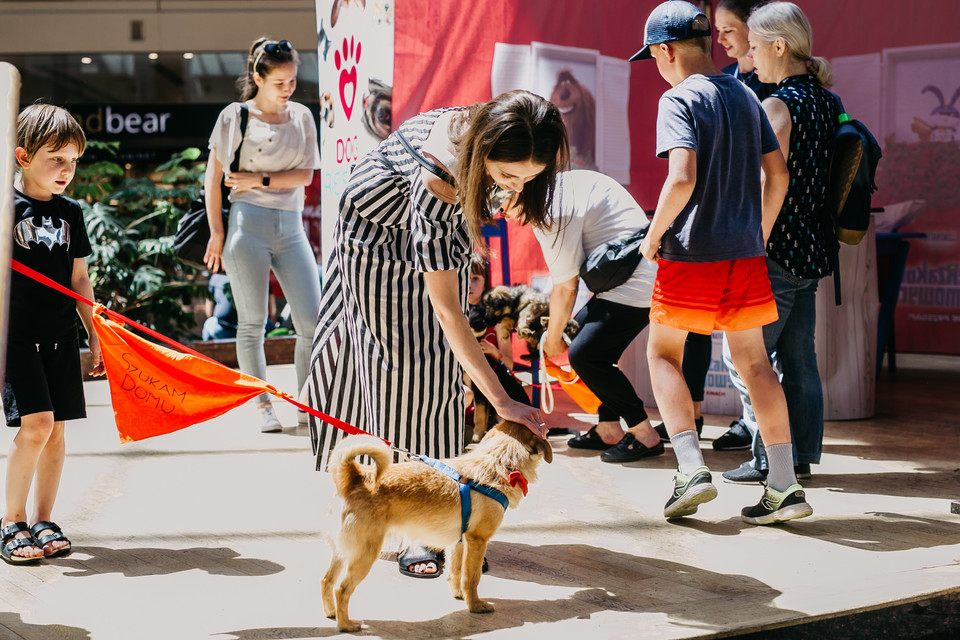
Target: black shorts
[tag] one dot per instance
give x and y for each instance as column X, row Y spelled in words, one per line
column 44, row 377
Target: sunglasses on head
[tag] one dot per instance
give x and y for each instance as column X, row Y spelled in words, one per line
column 274, row 49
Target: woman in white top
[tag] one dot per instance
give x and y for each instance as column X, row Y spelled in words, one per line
column 590, row 210
column 278, row 155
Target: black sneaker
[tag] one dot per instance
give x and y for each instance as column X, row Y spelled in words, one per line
column 689, row 492
column 745, row 474
column 662, row 430
column 778, row 506
column 736, row 438
column 630, row 449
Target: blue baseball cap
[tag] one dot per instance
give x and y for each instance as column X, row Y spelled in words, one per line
column 671, row 21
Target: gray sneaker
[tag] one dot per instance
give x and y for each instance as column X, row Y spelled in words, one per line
column 689, row 492
column 745, row 474
column 736, row 438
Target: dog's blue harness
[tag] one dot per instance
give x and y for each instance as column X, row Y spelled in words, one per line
column 465, row 486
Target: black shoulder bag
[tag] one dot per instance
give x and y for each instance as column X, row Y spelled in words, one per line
column 612, row 264
column 193, row 230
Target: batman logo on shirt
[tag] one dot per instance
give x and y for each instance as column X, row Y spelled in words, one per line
column 27, row 231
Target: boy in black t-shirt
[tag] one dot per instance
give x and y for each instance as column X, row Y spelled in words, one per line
column 43, row 385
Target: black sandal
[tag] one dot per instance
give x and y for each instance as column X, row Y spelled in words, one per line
column 11, row 543
column 52, row 537
column 415, row 554
column 589, row 440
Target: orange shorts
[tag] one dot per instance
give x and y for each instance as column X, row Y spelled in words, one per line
column 732, row 295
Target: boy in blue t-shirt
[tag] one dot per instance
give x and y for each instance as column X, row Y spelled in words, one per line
column 43, row 385
column 708, row 237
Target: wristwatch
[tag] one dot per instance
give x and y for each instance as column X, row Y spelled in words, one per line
column 265, row 179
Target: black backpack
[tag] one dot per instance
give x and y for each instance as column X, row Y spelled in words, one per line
column 854, row 155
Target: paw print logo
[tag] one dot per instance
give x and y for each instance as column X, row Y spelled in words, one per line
column 347, row 56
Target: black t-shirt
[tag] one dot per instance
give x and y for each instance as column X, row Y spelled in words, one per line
column 48, row 235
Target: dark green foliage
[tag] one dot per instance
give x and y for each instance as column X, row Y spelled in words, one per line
column 131, row 222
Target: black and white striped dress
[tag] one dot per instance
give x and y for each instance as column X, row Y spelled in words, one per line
column 380, row 360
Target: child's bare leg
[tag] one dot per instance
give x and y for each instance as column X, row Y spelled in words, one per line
column 32, row 437
column 49, row 470
column 766, row 395
column 665, row 356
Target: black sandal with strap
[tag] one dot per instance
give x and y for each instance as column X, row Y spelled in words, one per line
column 51, row 537
column 11, row 543
column 415, row 554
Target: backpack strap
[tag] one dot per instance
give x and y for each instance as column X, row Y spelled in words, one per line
column 422, row 161
column 834, row 220
column 244, row 116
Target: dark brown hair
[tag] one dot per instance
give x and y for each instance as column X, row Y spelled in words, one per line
column 264, row 60
column 41, row 124
column 740, row 8
column 516, row 126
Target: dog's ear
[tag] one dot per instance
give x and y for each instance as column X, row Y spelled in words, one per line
column 542, row 446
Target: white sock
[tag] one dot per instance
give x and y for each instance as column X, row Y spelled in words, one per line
column 686, row 447
column 780, row 459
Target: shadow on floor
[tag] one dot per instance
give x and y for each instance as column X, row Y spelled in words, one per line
column 604, row 580
column 143, row 561
column 13, row 626
column 882, row 532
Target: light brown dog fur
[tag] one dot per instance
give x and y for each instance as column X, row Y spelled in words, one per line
column 423, row 504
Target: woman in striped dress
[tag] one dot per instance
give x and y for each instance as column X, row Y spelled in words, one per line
column 392, row 333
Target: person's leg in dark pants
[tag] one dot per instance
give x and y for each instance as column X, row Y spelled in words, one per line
column 606, row 330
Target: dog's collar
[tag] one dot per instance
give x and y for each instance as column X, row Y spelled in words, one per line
column 465, row 486
column 516, row 478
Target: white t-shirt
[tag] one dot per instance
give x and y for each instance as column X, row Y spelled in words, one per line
column 591, row 209
column 268, row 147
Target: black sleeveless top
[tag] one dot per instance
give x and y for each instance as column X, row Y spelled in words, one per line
column 802, row 237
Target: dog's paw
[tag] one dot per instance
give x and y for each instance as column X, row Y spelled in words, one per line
column 349, row 626
column 481, row 606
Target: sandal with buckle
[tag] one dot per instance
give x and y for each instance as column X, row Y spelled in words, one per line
column 57, row 535
column 11, row 543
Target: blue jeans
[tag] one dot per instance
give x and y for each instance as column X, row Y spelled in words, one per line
column 790, row 345
column 259, row 239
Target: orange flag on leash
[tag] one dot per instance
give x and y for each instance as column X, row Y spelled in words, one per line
column 156, row 390
column 571, row 383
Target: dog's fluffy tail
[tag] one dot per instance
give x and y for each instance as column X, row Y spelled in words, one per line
column 344, row 468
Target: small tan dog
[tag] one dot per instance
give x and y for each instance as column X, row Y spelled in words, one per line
column 423, row 504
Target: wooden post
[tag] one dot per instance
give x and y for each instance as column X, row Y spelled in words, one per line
column 846, row 339
column 10, row 88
